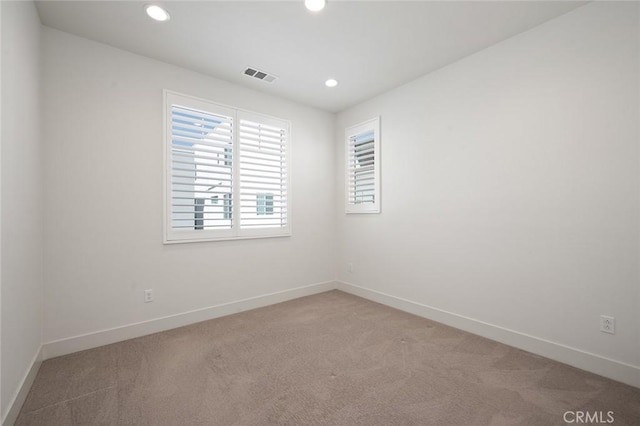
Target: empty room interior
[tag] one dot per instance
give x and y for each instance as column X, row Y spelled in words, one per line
column 320, row 212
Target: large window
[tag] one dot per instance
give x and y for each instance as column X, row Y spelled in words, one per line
column 362, row 153
column 225, row 172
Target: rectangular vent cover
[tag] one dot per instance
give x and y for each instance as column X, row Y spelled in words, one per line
column 260, row 75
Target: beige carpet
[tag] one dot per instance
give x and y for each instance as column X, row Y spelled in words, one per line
column 328, row 359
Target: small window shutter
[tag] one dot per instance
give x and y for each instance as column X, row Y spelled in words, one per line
column 201, row 169
column 363, row 168
column 362, row 159
column 263, row 172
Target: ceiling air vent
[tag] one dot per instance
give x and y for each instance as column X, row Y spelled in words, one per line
column 260, row 75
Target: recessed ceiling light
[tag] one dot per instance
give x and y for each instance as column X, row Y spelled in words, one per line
column 156, row 12
column 331, row 83
column 315, row 5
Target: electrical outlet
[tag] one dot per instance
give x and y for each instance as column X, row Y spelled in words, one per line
column 148, row 296
column 350, row 267
column 607, row 324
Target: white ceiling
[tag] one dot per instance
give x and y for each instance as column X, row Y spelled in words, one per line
column 368, row 46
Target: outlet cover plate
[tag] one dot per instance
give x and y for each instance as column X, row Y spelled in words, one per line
column 607, row 324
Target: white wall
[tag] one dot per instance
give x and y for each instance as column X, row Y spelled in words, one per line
column 510, row 189
column 22, row 193
column 103, row 171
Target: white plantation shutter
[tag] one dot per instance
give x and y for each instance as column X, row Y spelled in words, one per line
column 363, row 167
column 362, row 159
column 263, row 172
column 225, row 172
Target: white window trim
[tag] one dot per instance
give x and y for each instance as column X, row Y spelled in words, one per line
column 171, row 236
column 372, row 124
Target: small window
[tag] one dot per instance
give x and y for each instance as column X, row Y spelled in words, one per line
column 362, row 155
column 264, row 204
column 226, row 207
column 199, row 213
column 226, row 172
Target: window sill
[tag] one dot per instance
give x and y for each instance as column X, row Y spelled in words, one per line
column 209, row 240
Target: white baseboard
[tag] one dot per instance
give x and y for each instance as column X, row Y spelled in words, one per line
column 23, row 390
column 104, row 337
column 616, row 370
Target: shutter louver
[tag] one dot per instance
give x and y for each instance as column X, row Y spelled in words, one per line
column 201, row 169
column 263, row 174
